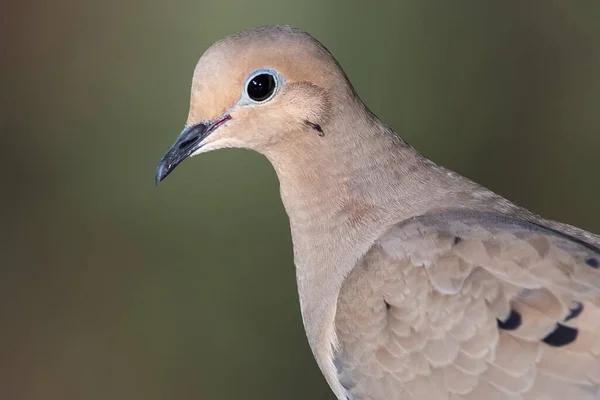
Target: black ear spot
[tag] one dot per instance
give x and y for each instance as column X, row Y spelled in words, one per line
column 593, row 262
column 575, row 311
column 511, row 323
column 316, row 127
column 561, row 336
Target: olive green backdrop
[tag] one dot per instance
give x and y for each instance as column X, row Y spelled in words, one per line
column 111, row 288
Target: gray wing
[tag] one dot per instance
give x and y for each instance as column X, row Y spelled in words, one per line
column 470, row 306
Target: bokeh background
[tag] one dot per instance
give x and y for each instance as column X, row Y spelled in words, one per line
column 111, row 288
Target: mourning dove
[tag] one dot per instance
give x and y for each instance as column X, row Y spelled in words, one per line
column 414, row 282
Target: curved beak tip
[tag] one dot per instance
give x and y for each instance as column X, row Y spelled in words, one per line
column 189, row 140
column 160, row 173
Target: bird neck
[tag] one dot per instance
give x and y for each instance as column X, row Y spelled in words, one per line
column 341, row 191
column 343, row 184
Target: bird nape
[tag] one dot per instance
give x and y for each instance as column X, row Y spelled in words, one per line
column 415, row 282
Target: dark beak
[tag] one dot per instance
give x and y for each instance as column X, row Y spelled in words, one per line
column 188, row 141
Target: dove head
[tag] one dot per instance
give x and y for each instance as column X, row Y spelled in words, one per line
column 274, row 90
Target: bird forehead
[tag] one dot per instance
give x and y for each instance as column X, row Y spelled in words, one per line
column 223, row 69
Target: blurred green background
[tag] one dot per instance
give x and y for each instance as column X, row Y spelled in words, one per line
column 112, row 288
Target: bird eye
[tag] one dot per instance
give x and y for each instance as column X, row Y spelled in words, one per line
column 261, row 87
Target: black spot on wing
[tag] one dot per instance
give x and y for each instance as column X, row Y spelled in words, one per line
column 575, row 311
column 387, row 305
column 457, row 240
column 593, row 262
column 511, row 323
column 561, row 336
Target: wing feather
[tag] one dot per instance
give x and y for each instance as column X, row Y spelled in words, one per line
column 461, row 305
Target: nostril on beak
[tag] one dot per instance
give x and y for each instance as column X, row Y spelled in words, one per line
column 187, row 143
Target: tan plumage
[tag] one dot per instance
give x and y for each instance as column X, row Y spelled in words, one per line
column 414, row 282
column 446, row 279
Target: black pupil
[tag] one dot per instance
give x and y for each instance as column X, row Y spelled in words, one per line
column 261, row 87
